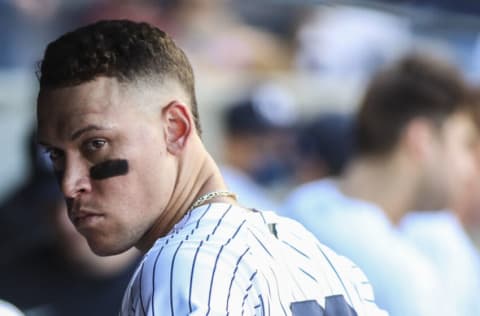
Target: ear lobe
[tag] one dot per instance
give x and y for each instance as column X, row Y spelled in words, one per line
column 178, row 126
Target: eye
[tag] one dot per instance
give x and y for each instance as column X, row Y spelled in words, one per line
column 53, row 153
column 95, row 144
column 56, row 157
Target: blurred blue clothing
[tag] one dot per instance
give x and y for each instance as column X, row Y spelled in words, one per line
column 405, row 282
column 440, row 236
column 249, row 193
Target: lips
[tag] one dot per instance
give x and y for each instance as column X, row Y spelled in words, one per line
column 84, row 218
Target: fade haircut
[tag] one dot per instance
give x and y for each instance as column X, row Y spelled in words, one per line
column 122, row 49
column 418, row 85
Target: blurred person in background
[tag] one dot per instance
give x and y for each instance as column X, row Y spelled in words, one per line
column 348, row 42
column 211, row 32
column 443, row 235
column 467, row 208
column 415, row 120
column 467, row 205
column 50, row 270
column 218, row 38
column 257, row 145
column 27, row 25
column 324, row 146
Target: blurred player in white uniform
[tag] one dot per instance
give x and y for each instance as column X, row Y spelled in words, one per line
column 257, row 152
column 413, row 137
column 441, row 236
column 117, row 115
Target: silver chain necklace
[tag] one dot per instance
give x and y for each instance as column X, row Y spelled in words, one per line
column 211, row 195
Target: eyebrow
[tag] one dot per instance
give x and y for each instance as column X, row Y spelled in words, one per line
column 85, row 129
column 42, row 143
column 76, row 134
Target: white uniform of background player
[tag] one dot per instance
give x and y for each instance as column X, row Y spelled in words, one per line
column 227, row 260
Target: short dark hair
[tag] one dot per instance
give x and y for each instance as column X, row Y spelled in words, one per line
column 418, row 85
column 121, row 49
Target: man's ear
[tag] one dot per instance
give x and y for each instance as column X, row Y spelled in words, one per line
column 178, row 126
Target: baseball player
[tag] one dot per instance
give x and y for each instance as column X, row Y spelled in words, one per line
column 416, row 118
column 118, row 117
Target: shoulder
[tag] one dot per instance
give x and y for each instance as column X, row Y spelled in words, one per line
column 198, row 247
column 195, row 268
column 296, row 237
column 320, row 263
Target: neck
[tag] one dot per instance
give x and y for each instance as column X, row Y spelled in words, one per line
column 381, row 181
column 194, row 180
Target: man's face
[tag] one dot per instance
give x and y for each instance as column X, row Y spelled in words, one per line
column 460, row 146
column 467, row 206
column 108, row 149
column 452, row 163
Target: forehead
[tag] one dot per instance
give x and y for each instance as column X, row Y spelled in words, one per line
column 101, row 101
column 98, row 94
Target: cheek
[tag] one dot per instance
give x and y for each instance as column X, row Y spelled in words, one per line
column 148, row 184
column 462, row 163
column 159, row 177
column 460, row 170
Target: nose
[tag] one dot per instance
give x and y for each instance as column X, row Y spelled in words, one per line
column 75, row 179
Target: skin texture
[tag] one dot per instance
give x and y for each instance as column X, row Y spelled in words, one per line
column 146, row 123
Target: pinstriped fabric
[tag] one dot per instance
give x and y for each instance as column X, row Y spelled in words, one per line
column 224, row 260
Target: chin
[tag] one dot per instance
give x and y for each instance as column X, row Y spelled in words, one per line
column 106, row 249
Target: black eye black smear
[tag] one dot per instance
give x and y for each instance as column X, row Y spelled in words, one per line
column 103, row 170
column 109, row 169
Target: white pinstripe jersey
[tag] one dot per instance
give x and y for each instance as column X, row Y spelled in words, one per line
column 226, row 260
